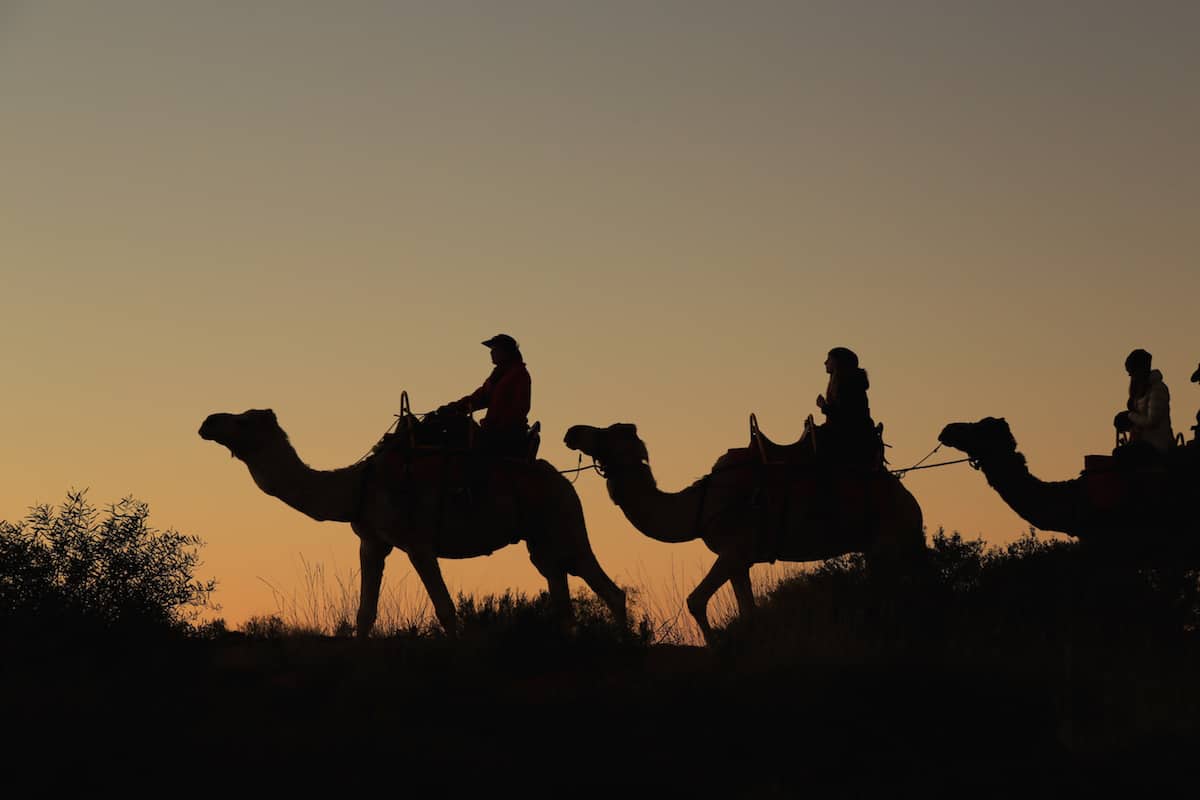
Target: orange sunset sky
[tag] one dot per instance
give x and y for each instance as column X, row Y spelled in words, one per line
column 676, row 207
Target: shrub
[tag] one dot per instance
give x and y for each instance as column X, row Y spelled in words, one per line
column 76, row 568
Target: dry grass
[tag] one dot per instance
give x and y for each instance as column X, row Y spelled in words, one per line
column 664, row 601
column 325, row 602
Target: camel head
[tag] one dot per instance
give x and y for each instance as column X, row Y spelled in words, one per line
column 617, row 445
column 242, row 433
column 979, row 440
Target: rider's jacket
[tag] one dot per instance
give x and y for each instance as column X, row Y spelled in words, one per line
column 506, row 396
column 846, row 400
column 1151, row 415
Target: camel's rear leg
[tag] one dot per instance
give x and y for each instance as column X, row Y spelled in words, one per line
column 723, row 569
column 743, row 590
column 560, row 597
column 555, row 574
column 589, row 569
column 371, row 556
column 430, row 573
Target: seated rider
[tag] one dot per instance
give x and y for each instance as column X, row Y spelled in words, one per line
column 848, row 435
column 1196, row 427
column 1147, row 414
column 506, row 396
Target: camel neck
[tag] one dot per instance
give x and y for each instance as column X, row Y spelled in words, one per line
column 1050, row 506
column 320, row 494
column 667, row 517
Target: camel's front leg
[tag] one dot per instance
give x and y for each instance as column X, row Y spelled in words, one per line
column 430, row 573
column 722, row 570
column 371, row 555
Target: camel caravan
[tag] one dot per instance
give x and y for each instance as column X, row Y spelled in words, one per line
column 441, row 485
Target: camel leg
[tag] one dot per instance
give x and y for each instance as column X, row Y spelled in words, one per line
column 697, row 602
column 595, row 577
column 560, row 597
column 430, row 573
column 371, row 555
column 556, row 578
column 743, row 591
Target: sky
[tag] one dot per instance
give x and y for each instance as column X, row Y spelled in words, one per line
column 677, row 208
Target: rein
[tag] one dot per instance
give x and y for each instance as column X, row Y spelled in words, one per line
column 578, row 469
column 900, row 473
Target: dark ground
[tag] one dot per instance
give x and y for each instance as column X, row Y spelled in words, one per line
column 674, row 718
column 1032, row 674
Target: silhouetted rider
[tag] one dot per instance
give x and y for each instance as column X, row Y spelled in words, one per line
column 1196, row 427
column 848, row 435
column 1147, row 414
column 506, row 396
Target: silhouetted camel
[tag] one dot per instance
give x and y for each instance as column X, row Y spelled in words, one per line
column 425, row 517
column 749, row 513
column 1142, row 512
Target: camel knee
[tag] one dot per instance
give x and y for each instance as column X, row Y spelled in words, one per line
column 698, row 606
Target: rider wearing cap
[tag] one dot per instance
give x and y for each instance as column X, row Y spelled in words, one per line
column 506, row 396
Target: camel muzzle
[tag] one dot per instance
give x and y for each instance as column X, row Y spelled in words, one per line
column 581, row 438
column 951, row 435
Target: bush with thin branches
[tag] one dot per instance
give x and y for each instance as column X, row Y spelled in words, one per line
column 75, row 568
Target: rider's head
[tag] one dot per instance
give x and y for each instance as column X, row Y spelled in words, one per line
column 841, row 359
column 503, row 348
column 1138, row 362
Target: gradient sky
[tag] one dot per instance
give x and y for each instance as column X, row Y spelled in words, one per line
column 676, row 207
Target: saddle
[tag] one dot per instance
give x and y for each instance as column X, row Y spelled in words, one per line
column 451, row 432
column 814, row 448
column 442, row 449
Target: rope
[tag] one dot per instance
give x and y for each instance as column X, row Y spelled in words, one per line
column 386, row 431
column 900, row 473
column 923, row 460
column 579, row 469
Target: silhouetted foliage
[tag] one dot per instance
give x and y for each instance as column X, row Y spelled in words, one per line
column 74, row 568
column 268, row 627
column 515, row 615
column 1023, row 602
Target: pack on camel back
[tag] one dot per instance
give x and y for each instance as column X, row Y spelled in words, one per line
column 439, row 451
column 1126, row 483
column 1136, row 479
column 832, row 471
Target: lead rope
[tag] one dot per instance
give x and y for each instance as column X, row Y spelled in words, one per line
column 900, row 473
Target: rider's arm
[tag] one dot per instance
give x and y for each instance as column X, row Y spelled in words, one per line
column 480, row 397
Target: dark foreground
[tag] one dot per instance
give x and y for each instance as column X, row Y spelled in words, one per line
column 290, row 711
column 838, row 689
